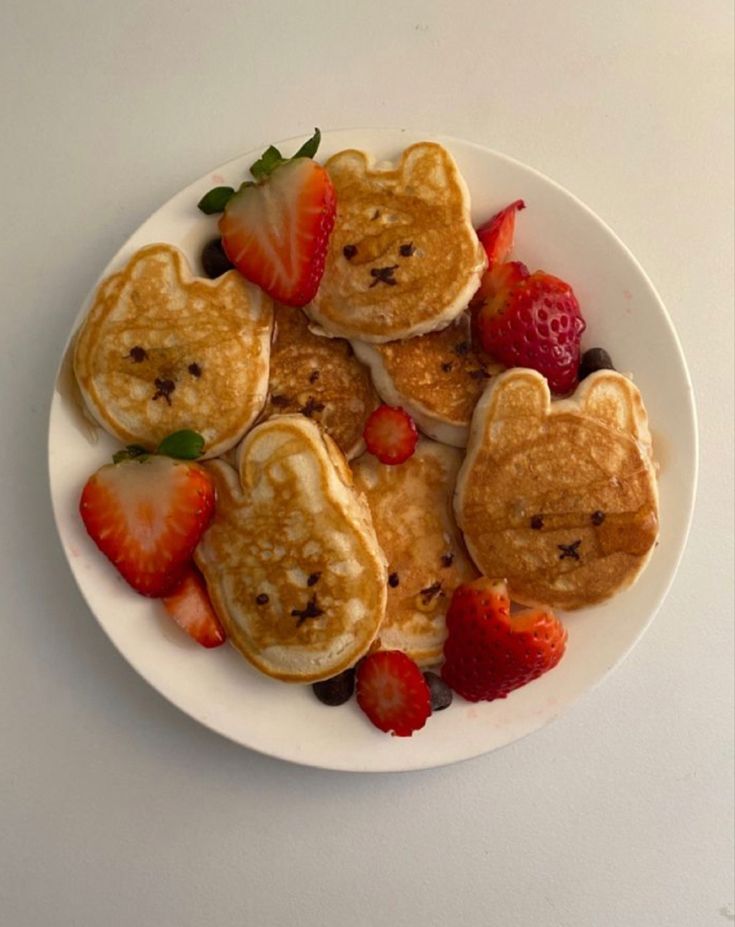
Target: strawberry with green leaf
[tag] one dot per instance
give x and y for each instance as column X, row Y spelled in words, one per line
column 275, row 229
column 147, row 511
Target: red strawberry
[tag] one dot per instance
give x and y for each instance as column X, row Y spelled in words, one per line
column 276, row 231
column 392, row 692
column 496, row 235
column 146, row 513
column 190, row 607
column 390, row 434
column 489, row 652
column 535, row 322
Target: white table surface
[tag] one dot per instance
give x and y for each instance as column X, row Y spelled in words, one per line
column 115, row 808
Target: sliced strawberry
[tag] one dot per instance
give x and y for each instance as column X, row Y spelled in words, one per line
column 190, row 607
column 276, row 232
column 534, row 322
column 390, row 434
column 393, row 693
column 146, row 514
column 489, row 652
column 496, row 235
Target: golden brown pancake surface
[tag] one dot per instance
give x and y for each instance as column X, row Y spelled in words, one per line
column 411, row 505
column 438, row 378
column 291, row 560
column 559, row 499
column 319, row 377
column 403, row 257
column 160, row 350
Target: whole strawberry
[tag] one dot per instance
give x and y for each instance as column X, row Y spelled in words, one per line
column 489, row 652
column 535, row 322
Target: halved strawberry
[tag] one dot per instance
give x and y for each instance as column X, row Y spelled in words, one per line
column 496, row 235
column 276, row 230
column 489, row 652
column 390, row 434
column 190, row 607
column 392, row 692
column 146, row 513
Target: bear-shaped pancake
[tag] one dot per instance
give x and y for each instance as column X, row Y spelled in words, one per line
column 559, row 499
column 403, row 257
column 160, row 350
column 319, row 377
column 291, row 559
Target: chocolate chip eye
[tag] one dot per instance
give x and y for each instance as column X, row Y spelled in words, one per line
column 195, row 370
column 349, row 251
column 407, row 250
column 137, row 354
column 597, row 517
column 537, row 522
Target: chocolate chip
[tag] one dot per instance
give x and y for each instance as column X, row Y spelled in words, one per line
column 280, row 400
column 383, row 275
column 569, row 550
column 597, row 517
column 447, row 366
column 349, row 251
column 431, row 592
column 537, row 522
column 447, row 559
column 164, row 388
column 311, row 407
column 262, row 599
column 393, row 580
column 313, row 579
column 376, row 214
column 137, row 354
column 461, row 348
column 313, row 376
column 312, row 610
column 195, row 370
column 407, row 250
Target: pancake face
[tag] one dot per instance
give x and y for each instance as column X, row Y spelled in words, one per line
column 437, row 378
column 291, row 559
column 403, row 257
column 319, row 377
column 559, row 499
column 411, row 506
column 160, row 351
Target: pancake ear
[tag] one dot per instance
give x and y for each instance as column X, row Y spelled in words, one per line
column 426, row 166
column 613, row 400
column 516, row 402
column 348, row 164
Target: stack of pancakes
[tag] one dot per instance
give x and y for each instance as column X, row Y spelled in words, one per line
column 318, row 552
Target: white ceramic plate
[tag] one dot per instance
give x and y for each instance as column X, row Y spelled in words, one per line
column 218, row 688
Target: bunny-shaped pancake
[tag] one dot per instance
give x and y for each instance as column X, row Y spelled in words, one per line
column 160, row 351
column 559, row 499
column 403, row 257
column 291, row 560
